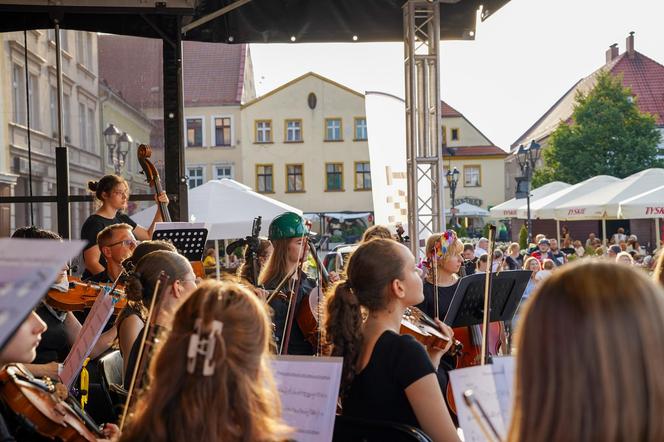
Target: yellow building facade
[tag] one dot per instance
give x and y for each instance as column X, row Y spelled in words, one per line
column 305, row 143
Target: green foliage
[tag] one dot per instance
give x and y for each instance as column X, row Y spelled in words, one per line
column 485, row 231
column 461, row 231
column 608, row 135
column 523, row 237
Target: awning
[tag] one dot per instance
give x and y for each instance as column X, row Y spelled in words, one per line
column 509, row 208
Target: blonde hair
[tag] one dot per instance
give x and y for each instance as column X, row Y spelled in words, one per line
column 612, row 318
column 526, row 263
column 621, row 255
column 658, row 274
column 106, row 235
column 548, row 264
column 239, row 401
column 376, row 231
column 452, row 249
column 512, row 247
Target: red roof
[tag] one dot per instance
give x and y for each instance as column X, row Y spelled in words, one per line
column 644, row 76
column 213, row 72
column 449, row 111
column 478, row 150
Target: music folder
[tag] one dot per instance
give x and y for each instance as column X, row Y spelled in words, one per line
column 467, row 306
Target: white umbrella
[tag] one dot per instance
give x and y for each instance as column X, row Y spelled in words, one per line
column 469, row 210
column 544, row 208
column 649, row 204
column 509, row 208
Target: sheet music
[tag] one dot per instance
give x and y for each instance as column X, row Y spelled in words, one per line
column 308, row 387
column 99, row 315
column 27, row 269
column 492, row 387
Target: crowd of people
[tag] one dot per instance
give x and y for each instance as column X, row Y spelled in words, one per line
column 587, row 335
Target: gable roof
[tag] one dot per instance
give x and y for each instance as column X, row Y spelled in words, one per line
column 298, row 79
column 642, row 74
column 213, row 72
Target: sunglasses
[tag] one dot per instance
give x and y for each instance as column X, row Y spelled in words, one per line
column 131, row 243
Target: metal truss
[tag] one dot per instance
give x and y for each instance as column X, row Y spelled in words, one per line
column 426, row 211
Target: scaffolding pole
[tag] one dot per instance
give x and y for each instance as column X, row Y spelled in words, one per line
column 426, row 206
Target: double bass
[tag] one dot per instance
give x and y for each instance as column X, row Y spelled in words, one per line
column 144, row 153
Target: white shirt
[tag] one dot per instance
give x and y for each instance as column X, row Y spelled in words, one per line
column 479, row 251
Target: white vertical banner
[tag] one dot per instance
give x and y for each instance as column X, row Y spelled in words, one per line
column 386, row 125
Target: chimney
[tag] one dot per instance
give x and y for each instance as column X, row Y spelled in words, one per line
column 630, row 44
column 612, row 53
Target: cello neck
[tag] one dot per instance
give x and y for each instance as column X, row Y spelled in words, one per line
column 163, row 207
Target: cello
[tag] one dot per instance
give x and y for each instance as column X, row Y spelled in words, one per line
column 144, row 153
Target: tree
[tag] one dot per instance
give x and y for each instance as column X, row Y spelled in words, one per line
column 523, row 237
column 607, row 135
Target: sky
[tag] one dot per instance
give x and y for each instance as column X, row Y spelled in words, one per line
column 523, row 59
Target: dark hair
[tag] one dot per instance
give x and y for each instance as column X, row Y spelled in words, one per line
column 32, row 232
column 468, row 246
column 369, row 274
column 245, row 271
column 105, row 185
column 140, row 283
column 144, row 248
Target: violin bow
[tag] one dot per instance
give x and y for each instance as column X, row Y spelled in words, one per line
column 141, row 359
column 488, row 279
column 290, row 313
column 323, row 282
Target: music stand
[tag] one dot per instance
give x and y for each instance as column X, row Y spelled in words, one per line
column 467, row 303
column 188, row 238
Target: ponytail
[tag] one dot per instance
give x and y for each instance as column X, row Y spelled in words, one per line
column 343, row 328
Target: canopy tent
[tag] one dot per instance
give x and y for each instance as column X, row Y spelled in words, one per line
column 468, row 210
column 603, row 203
column 509, row 208
column 649, row 204
column 227, row 207
column 255, row 21
column 544, row 208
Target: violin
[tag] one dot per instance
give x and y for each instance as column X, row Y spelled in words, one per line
column 42, row 405
column 419, row 325
column 310, row 313
column 82, row 295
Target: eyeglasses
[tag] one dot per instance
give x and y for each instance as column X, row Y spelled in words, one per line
column 131, row 243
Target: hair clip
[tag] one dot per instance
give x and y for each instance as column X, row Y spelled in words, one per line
column 200, row 346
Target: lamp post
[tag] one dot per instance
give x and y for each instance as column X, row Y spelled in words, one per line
column 527, row 158
column 118, row 145
column 452, row 177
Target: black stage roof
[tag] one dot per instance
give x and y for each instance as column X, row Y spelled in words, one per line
column 258, row 21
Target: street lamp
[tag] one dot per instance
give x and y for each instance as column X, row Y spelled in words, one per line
column 452, row 177
column 527, row 158
column 118, row 146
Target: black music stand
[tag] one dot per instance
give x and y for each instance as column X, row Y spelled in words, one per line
column 188, row 238
column 467, row 306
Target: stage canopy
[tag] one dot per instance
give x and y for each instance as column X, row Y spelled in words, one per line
column 254, row 21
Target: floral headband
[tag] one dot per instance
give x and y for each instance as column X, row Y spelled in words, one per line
column 440, row 247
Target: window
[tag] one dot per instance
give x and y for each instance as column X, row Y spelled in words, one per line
column 223, row 171
column 333, row 129
column 88, row 50
column 80, row 48
column 194, row 132
column 455, row 134
column 82, row 127
column 263, row 131
column 64, row 41
column 222, row 131
column 264, row 178
column 195, row 176
column 293, row 131
column 294, row 178
column 50, row 34
column 18, row 95
column 33, row 98
column 91, row 130
column 53, row 108
column 334, row 177
column 66, row 117
column 362, row 176
column 360, row 129
column 472, row 176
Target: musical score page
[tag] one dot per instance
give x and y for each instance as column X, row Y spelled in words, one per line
column 492, row 387
column 308, row 387
column 28, row 267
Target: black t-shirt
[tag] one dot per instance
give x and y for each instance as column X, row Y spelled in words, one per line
column 378, row 392
column 95, row 224
column 445, row 295
column 297, row 345
column 53, row 346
